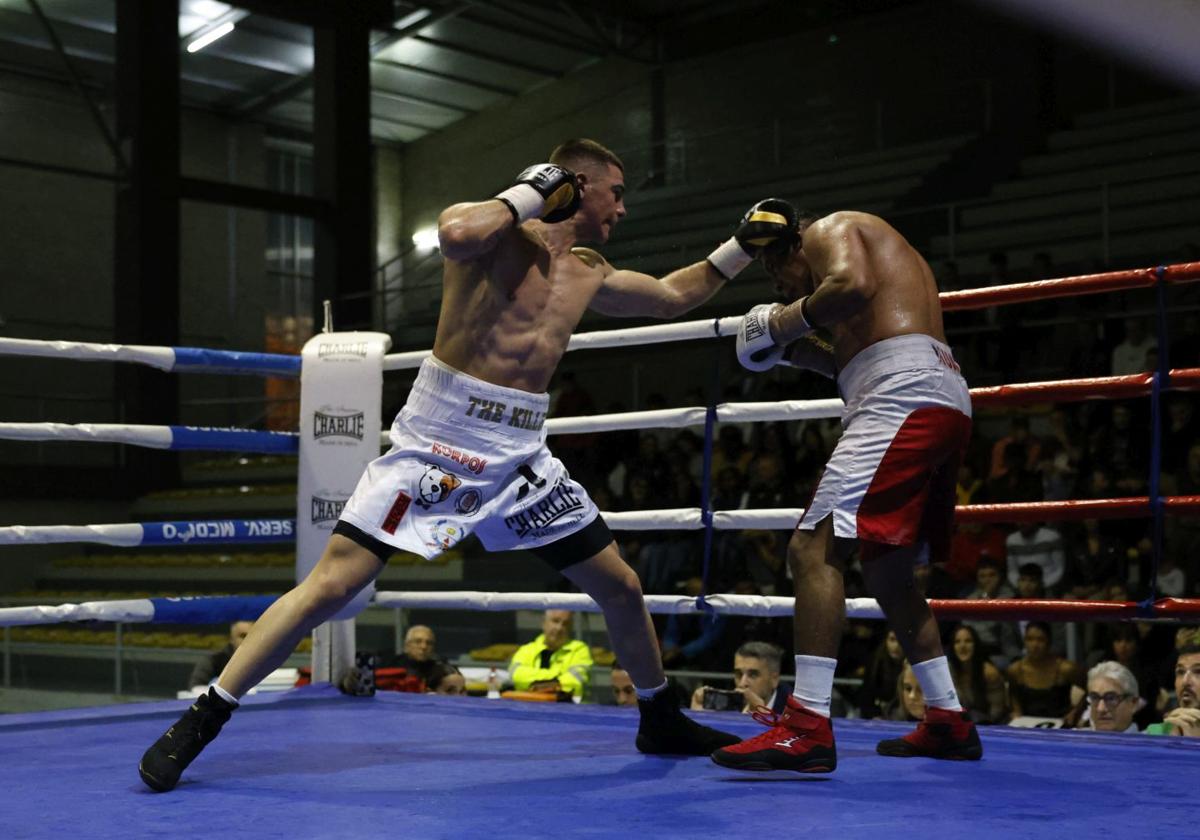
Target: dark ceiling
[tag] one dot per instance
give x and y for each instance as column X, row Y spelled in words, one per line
column 437, row 63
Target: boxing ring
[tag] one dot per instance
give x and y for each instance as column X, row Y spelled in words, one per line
column 313, row 763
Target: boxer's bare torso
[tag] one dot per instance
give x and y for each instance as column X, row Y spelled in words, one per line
column 506, row 317
column 512, row 295
column 866, row 284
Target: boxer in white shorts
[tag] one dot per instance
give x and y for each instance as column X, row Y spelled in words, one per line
column 888, row 488
column 470, row 453
column 469, row 457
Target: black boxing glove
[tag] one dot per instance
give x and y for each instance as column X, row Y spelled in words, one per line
column 544, row 191
column 769, row 224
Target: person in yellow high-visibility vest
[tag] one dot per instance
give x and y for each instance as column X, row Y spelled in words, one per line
column 553, row 661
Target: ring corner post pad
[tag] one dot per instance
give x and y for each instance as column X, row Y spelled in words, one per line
column 341, row 401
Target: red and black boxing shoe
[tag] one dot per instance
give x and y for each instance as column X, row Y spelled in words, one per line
column 798, row 740
column 943, row 734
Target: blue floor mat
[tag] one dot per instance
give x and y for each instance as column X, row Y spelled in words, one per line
column 312, row 763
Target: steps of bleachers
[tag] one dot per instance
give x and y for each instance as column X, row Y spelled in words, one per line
column 1158, row 167
column 1084, row 199
column 1141, row 112
column 1188, row 118
column 1096, row 155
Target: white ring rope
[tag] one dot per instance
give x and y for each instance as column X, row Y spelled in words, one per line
column 598, row 339
column 162, row 358
column 124, row 534
column 126, row 612
column 756, row 605
column 679, row 418
column 689, row 519
column 155, row 437
column 143, row 610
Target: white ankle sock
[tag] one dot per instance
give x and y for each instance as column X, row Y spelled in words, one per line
column 648, row 693
column 224, row 695
column 936, row 682
column 814, row 683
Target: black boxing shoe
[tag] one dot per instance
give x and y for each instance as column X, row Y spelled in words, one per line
column 665, row 730
column 165, row 761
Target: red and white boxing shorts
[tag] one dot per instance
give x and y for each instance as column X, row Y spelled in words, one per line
column 907, row 420
column 470, row 457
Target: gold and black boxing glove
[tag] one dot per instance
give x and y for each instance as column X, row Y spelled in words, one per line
column 544, row 191
column 768, row 225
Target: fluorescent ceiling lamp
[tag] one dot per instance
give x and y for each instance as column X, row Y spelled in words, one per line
column 209, row 9
column 426, row 239
column 206, row 38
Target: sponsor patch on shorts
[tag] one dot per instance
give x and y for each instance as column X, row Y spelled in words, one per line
column 397, row 511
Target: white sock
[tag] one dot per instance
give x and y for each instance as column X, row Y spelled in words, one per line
column 648, row 693
column 224, row 695
column 936, row 682
column 814, row 683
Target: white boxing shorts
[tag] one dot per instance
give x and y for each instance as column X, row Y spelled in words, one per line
column 469, row 457
column 891, row 478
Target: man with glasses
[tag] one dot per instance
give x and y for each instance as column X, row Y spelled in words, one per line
column 1112, row 696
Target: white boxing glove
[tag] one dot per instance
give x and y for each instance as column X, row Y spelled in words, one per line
column 756, row 350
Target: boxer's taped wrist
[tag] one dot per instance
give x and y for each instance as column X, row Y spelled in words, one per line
column 806, row 326
column 525, row 202
column 729, row 258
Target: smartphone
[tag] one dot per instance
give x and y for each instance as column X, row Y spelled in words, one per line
column 721, row 700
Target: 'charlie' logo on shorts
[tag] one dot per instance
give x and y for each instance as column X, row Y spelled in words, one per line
column 326, row 510
column 559, row 504
column 348, row 425
column 436, row 486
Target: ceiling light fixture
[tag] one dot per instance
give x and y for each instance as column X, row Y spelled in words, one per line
column 209, row 36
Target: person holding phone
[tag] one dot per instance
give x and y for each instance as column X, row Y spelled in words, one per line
column 756, row 683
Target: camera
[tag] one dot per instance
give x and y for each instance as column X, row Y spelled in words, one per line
column 721, row 700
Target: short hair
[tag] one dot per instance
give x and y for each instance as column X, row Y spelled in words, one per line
column 438, row 673
column 1187, row 650
column 986, row 562
column 580, row 150
column 1116, row 672
column 1033, row 570
column 767, row 652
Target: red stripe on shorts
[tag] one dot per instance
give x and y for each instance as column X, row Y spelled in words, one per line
column 399, row 508
column 911, row 496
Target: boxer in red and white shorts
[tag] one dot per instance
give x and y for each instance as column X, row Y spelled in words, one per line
column 888, row 488
column 891, row 478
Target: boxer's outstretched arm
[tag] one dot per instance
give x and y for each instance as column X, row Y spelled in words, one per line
column 631, row 293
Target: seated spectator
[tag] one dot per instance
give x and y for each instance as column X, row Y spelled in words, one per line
column 1185, row 718
column 971, row 542
column 1094, row 559
column 444, row 678
column 878, row 691
column 1021, row 441
column 693, row 640
column 980, row 686
column 1018, row 482
column 1034, row 542
column 1039, row 684
column 1130, row 355
column 624, row 694
column 418, row 656
column 1000, row 639
column 211, row 666
column 1112, row 696
column 553, row 661
column 756, row 667
column 909, row 703
column 1125, row 648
